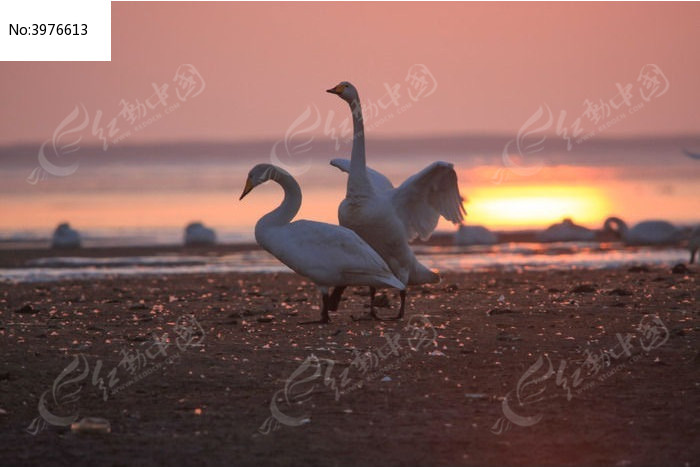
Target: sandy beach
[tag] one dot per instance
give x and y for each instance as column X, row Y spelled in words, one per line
column 177, row 182
column 186, row 366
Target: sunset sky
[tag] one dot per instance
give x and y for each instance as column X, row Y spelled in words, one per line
column 260, row 75
column 263, row 64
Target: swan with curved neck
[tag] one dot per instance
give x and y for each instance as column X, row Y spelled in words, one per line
column 644, row 233
column 386, row 217
column 329, row 255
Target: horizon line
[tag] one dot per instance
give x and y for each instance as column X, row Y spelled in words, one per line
column 382, row 138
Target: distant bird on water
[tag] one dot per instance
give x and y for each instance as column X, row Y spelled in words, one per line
column 65, row 237
column 692, row 155
column 474, row 235
column 566, row 231
column 197, row 234
column 644, row 233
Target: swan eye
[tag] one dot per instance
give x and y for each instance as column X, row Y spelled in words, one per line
column 340, row 88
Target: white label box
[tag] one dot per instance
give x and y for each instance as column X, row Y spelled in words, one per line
column 55, row 30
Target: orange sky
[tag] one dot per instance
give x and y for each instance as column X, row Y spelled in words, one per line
column 263, row 64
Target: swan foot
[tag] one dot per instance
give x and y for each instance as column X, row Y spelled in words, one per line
column 325, row 319
column 318, row 321
column 372, row 315
column 402, row 294
column 376, row 317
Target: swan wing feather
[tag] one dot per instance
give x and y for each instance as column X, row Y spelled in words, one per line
column 329, row 254
column 427, row 195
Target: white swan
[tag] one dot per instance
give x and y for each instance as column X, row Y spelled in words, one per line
column 65, row 237
column 421, row 199
column 329, row 255
column 474, row 235
column 197, row 234
column 386, row 217
column 644, row 233
column 566, row 231
column 694, row 243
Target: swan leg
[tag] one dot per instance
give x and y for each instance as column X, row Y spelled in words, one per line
column 335, row 298
column 402, row 308
column 372, row 293
column 372, row 315
column 692, row 256
column 324, row 310
column 402, row 294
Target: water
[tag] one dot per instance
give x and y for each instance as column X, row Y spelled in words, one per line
column 117, row 237
column 505, row 257
column 145, row 195
column 133, row 191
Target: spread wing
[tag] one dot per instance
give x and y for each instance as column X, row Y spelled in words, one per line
column 427, row 195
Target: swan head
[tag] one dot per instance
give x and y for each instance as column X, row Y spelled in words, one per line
column 345, row 91
column 615, row 225
column 259, row 175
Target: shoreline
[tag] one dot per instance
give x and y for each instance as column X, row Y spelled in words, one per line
column 18, row 258
column 60, row 265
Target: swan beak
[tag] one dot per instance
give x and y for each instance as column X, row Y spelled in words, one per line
column 248, row 188
column 338, row 89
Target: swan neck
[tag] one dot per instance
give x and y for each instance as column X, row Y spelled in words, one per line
column 358, row 181
column 620, row 225
column 289, row 207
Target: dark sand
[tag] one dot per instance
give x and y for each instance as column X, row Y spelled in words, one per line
column 439, row 407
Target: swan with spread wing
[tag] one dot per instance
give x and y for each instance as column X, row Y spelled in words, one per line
column 329, row 255
column 387, row 218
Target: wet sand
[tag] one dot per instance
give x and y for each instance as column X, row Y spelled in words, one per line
column 429, row 393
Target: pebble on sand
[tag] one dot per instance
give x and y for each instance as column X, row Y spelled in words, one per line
column 92, row 425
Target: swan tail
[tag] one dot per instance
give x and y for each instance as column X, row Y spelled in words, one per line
column 362, row 278
column 422, row 275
